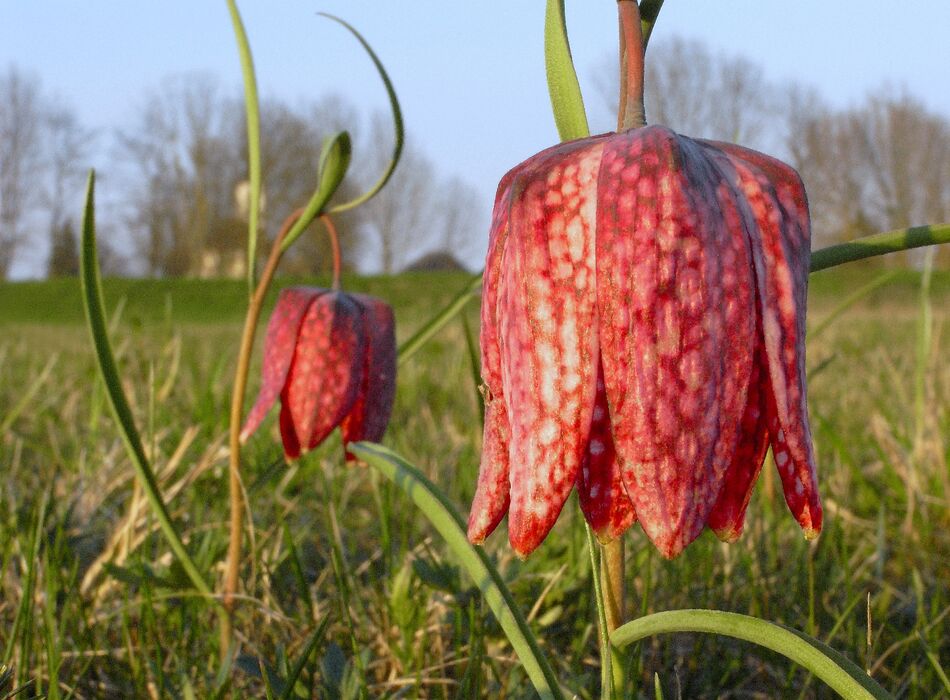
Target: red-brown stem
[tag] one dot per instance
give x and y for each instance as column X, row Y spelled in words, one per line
column 335, row 246
column 237, row 408
column 631, row 114
column 613, row 592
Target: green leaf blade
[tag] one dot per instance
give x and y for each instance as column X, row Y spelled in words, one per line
column 447, row 522
column 567, row 102
column 118, row 404
column 253, row 115
column 840, row 673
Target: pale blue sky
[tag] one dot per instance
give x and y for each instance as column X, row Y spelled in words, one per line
column 470, row 75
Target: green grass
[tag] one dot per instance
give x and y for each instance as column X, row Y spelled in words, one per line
column 92, row 605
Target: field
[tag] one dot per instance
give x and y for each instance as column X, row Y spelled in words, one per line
column 93, row 606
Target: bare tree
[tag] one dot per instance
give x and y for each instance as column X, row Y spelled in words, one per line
column 21, row 113
column 185, row 169
column 418, row 210
column 882, row 165
column 188, row 153
column 67, row 146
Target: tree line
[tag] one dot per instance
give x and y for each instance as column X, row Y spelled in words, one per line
column 178, row 169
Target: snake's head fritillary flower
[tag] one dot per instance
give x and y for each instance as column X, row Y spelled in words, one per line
column 643, row 328
column 331, row 357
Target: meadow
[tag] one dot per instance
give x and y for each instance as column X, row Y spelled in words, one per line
column 92, row 604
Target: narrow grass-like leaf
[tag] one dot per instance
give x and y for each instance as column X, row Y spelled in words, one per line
column 398, row 127
column 121, row 412
column 567, row 102
column 924, row 335
column 436, row 506
column 879, row 244
column 849, row 301
column 252, row 114
column 303, row 591
column 474, row 365
column 28, row 395
column 412, row 345
column 934, row 661
column 840, row 673
column 305, row 655
column 649, row 10
column 22, row 630
column 606, row 672
column 334, row 162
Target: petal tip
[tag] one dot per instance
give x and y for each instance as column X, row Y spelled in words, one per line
column 728, row 534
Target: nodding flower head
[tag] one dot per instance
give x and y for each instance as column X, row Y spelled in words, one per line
column 643, row 328
column 331, row 357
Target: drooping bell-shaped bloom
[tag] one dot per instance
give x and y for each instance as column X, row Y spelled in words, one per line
column 643, row 322
column 331, row 357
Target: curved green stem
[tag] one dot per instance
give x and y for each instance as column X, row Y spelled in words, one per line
column 436, row 506
column 840, row 673
column 880, row 244
column 253, row 115
column 397, row 123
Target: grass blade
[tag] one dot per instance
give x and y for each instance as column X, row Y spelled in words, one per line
column 95, row 316
column 567, row 102
column 436, row 323
column 606, row 672
column 440, row 512
column 835, row 669
column 305, row 655
column 849, row 301
column 28, row 395
column 253, row 114
column 475, row 365
column 398, row 127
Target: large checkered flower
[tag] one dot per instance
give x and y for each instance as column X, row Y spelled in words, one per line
column 643, row 327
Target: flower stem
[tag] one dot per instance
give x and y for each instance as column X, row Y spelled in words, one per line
column 335, row 246
column 612, row 589
column 630, row 114
column 237, row 409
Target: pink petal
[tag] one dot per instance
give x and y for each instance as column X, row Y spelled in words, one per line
column 548, row 335
column 374, row 401
column 288, row 434
column 492, row 493
column 327, row 368
column 728, row 516
column 675, row 298
column 600, row 490
column 282, row 330
column 777, row 201
column 488, row 336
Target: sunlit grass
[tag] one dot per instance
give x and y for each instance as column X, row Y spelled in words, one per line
column 111, row 615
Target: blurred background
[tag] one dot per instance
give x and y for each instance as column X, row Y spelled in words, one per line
column 854, row 95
